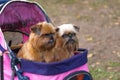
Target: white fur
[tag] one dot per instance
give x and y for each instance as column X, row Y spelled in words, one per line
column 66, row 27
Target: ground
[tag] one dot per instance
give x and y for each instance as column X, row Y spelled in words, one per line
column 99, row 22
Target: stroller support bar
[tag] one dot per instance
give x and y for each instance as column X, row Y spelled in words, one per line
column 14, row 65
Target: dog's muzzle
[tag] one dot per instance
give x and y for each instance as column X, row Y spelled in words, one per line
column 51, row 41
column 70, row 41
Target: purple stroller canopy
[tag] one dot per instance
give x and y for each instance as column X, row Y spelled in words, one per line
column 19, row 14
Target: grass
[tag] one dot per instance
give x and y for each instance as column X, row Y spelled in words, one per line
column 114, row 64
column 101, row 73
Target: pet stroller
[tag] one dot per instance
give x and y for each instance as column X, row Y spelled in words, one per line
column 18, row 16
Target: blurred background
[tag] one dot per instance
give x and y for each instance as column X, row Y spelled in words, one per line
column 99, row 22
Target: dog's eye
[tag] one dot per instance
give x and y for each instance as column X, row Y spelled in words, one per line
column 65, row 35
column 73, row 34
column 47, row 35
column 69, row 35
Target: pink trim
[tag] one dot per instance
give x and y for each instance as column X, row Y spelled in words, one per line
column 56, row 77
column 7, row 70
column 2, row 40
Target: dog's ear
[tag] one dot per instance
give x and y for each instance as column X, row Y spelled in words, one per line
column 76, row 28
column 36, row 29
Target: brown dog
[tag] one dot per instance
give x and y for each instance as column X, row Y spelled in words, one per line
column 41, row 42
column 66, row 42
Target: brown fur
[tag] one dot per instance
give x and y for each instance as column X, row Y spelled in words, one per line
column 38, row 49
column 40, row 43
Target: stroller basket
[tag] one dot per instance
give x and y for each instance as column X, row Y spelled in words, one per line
column 18, row 16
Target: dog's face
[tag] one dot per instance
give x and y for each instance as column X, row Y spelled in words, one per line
column 67, row 36
column 42, row 36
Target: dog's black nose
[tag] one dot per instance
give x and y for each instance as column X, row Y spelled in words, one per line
column 50, row 41
column 51, row 38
